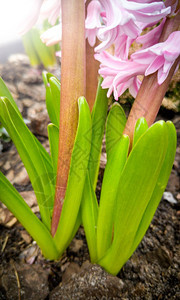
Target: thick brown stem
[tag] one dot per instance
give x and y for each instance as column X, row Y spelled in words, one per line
column 151, row 94
column 73, row 77
column 148, row 101
column 92, row 67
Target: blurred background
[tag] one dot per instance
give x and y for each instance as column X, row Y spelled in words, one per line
column 10, row 41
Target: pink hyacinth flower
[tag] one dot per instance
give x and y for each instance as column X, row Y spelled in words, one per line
column 93, row 22
column 119, row 74
column 52, row 36
column 30, row 13
column 116, row 72
column 160, row 57
column 122, row 17
column 152, row 37
column 51, row 10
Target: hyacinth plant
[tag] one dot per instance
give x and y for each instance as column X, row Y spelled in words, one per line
column 140, row 154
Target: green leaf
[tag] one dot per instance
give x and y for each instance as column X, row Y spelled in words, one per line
column 116, row 122
column 53, row 134
column 140, row 129
column 55, row 89
column 76, row 179
column 137, row 183
column 4, row 92
column 107, row 209
column 159, row 188
column 16, row 204
column 89, row 212
column 99, row 114
column 45, row 53
column 52, row 85
column 30, row 50
column 32, row 157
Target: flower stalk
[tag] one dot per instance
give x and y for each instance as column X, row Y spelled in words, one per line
column 92, row 67
column 73, row 77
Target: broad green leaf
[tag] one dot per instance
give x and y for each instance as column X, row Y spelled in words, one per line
column 76, row 179
column 45, row 155
column 46, row 76
column 55, row 90
column 116, row 122
column 32, row 157
column 112, row 174
column 159, row 188
column 140, row 129
column 30, row 50
column 137, row 184
column 16, row 204
column 52, row 97
column 4, row 92
column 89, row 212
column 99, row 114
column 53, row 134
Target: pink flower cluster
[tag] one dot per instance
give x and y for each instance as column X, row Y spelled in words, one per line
column 118, row 23
column 121, row 23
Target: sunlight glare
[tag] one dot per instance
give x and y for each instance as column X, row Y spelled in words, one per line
column 10, row 12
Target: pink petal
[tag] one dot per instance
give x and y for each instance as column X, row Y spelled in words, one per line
column 156, row 64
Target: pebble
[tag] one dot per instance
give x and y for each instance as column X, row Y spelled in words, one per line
column 7, row 166
column 103, row 160
column 27, row 102
column 178, row 196
column 75, row 245
column 22, row 177
column 36, row 92
column 29, row 197
column 10, row 176
column 169, row 197
column 26, row 237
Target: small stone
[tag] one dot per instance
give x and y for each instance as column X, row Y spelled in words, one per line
column 33, row 281
column 6, row 217
column 38, row 116
column 169, row 197
column 10, row 176
column 178, row 196
column 7, row 166
column 176, row 165
column 19, row 58
column 30, row 254
column 11, row 222
column 29, row 197
column 71, row 269
column 103, row 160
column 26, row 237
column 1, row 163
column 75, row 245
column 34, row 91
column 22, row 177
column 27, row 102
column 170, row 104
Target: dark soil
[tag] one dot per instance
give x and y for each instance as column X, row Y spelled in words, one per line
column 151, row 273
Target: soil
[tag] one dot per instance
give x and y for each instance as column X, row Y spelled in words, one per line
column 151, row 273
